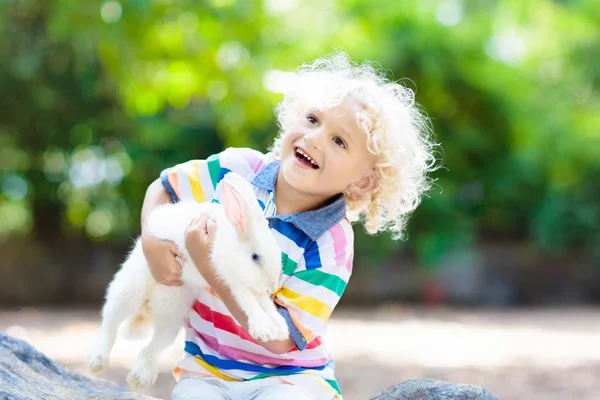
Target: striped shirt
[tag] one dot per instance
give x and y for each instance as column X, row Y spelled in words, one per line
column 317, row 254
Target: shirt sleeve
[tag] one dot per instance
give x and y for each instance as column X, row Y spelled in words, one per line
column 198, row 179
column 309, row 295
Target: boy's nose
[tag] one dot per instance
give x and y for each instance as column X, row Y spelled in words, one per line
column 313, row 139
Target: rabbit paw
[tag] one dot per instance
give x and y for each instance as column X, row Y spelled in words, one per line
column 96, row 360
column 142, row 376
column 263, row 328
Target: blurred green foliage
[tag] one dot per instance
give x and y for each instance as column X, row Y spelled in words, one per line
column 97, row 97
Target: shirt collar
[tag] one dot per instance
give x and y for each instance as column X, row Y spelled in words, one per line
column 313, row 222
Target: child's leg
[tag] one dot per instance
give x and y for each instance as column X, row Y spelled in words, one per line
column 192, row 387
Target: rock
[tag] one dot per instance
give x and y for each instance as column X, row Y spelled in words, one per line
column 429, row 389
column 25, row 374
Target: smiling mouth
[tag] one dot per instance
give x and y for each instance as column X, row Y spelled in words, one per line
column 304, row 158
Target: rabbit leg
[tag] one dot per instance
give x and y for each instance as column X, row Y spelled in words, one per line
column 121, row 302
column 260, row 326
column 145, row 371
column 268, row 306
column 167, row 322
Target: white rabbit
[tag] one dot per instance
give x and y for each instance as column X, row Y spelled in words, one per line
column 245, row 256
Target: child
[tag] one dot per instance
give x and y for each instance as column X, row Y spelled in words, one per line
column 352, row 146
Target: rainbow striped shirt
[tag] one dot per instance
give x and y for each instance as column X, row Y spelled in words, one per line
column 317, row 254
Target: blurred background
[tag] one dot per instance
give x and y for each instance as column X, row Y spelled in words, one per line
column 96, row 98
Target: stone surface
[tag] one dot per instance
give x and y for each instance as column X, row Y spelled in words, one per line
column 429, row 389
column 26, row 373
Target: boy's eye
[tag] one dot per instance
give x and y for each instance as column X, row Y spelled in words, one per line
column 312, row 119
column 339, row 142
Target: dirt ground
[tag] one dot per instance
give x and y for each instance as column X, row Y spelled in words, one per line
column 533, row 354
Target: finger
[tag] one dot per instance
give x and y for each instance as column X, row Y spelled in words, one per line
column 175, row 251
column 200, row 224
column 195, row 222
column 211, row 227
column 211, row 221
column 174, row 267
column 201, row 221
column 173, row 276
column 191, row 223
column 173, row 282
column 167, row 281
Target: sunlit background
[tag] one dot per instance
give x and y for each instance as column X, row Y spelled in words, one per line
column 96, row 98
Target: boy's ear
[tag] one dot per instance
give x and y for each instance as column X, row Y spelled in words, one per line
column 365, row 184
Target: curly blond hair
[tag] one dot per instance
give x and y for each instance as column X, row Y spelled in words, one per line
column 398, row 134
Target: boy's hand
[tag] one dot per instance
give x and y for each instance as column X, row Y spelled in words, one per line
column 162, row 259
column 198, row 242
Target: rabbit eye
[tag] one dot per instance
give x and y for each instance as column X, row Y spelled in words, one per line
column 255, row 257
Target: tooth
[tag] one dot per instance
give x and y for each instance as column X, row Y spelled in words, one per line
column 313, row 162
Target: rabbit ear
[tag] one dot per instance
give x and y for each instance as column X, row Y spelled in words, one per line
column 233, row 204
column 245, row 194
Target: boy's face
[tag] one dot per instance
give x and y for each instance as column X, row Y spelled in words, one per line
column 324, row 153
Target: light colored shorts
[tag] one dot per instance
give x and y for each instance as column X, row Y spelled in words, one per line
column 196, row 387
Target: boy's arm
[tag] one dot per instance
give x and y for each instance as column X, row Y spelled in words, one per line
column 193, row 180
column 198, row 240
column 274, row 346
column 159, row 254
column 156, row 194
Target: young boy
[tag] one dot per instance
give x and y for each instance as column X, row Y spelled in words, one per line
column 352, row 146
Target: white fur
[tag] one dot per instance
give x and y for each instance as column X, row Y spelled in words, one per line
column 135, row 296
